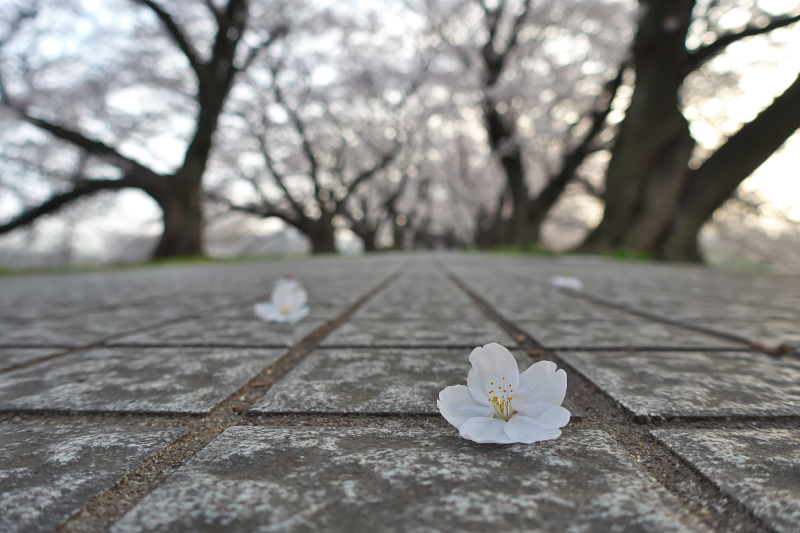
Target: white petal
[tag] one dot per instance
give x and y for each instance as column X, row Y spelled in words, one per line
column 290, row 293
column 298, row 315
column 485, row 430
column 542, row 383
column 526, row 430
column 267, row 312
column 568, row 282
column 457, row 405
column 493, row 366
column 545, row 415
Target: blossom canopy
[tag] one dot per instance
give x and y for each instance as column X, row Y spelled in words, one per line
column 288, row 302
column 499, row 405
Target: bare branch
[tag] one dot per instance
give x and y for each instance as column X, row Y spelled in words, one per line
column 368, row 173
column 97, row 148
column 301, row 130
column 518, row 20
column 21, row 17
column 697, row 58
column 214, row 11
column 274, row 34
column 279, row 177
column 177, row 36
column 263, row 210
column 83, row 188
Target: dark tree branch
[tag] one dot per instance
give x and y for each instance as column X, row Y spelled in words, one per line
column 96, row 148
column 263, row 210
column 279, row 177
column 697, row 58
column 274, row 35
column 21, row 17
column 494, row 61
column 177, row 36
column 214, row 11
column 83, row 188
column 540, row 206
column 300, row 128
column 368, row 173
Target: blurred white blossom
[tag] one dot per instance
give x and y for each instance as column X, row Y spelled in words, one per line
column 568, row 282
column 288, row 302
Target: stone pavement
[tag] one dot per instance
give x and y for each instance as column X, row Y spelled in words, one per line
column 154, row 400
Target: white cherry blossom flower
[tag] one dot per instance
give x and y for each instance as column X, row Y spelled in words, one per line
column 288, row 302
column 568, row 282
column 499, row 405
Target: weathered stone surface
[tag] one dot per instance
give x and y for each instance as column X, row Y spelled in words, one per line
column 216, row 331
column 767, row 331
column 759, row 468
column 14, row 356
column 153, row 380
column 403, row 480
column 628, row 333
column 557, row 312
column 445, row 333
column 686, row 384
column 392, row 311
column 317, row 311
column 372, row 381
column 77, row 330
column 47, row 473
column 703, row 312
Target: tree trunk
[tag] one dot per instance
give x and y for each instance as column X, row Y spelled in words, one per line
column 183, row 218
column 321, row 233
column 504, row 145
column 369, row 241
column 649, row 162
column 710, row 185
column 398, row 234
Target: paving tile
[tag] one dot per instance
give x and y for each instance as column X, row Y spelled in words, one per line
column 317, row 311
column 629, row 332
column 47, row 473
column 694, row 384
column 136, row 380
column 372, row 381
column 14, row 356
column 445, row 333
column 222, row 332
column 389, row 311
column 768, row 331
column 405, row 480
column 558, row 312
column 733, row 311
column 759, row 468
column 71, row 331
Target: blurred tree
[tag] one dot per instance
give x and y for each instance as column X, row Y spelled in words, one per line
column 534, row 60
column 323, row 153
column 323, row 176
column 655, row 201
column 177, row 193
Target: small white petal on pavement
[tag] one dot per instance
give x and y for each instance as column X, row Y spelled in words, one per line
column 457, row 405
column 493, row 366
column 542, row 383
column 525, row 429
column 546, row 415
column 485, row 431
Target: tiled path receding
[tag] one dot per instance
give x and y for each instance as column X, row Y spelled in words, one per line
column 154, row 400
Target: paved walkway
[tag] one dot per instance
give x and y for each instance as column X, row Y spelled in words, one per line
column 154, row 400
